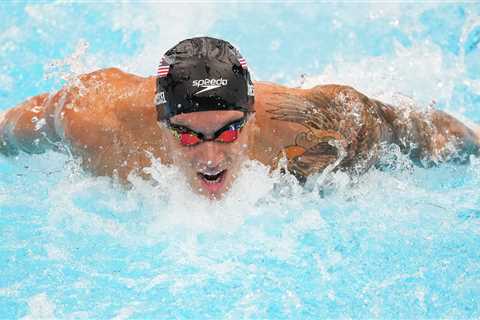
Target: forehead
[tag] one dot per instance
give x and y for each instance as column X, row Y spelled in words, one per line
column 206, row 120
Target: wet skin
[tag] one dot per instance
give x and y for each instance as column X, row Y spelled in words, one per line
column 108, row 120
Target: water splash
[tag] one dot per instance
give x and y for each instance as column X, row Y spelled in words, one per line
column 66, row 71
column 78, row 246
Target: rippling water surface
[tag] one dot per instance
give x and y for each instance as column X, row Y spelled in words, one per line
column 397, row 243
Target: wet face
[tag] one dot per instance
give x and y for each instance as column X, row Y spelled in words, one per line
column 210, row 166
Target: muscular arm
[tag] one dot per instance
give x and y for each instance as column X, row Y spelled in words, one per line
column 430, row 137
column 336, row 127
column 28, row 127
column 106, row 118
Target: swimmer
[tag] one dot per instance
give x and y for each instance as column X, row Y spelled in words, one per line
column 203, row 113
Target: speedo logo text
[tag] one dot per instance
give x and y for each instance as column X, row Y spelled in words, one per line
column 209, row 84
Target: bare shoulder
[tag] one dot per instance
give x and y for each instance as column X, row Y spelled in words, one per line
column 328, row 95
column 102, row 100
column 107, row 117
column 107, row 90
column 322, row 108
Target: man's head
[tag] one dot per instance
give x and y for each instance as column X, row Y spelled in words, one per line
column 205, row 99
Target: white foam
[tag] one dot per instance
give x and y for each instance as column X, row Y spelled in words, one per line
column 11, row 291
column 12, row 33
column 419, row 72
column 124, row 313
column 186, row 208
column 56, row 253
column 40, row 307
column 46, row 14
column 6, row 82
column 78, row 219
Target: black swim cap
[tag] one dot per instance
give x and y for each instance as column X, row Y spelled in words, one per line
column 202, row 74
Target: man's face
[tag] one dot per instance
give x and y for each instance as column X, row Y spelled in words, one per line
column 210, row 166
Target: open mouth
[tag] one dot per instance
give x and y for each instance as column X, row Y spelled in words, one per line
column 212, row 178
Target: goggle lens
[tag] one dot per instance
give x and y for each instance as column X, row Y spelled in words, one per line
column 228, row 135
column 188, row 139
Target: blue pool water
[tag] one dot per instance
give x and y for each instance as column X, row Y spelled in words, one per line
column 399, row 243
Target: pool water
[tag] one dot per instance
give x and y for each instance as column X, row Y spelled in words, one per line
column 402, row 242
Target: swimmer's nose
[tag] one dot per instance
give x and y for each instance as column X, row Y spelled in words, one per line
column 211, row 155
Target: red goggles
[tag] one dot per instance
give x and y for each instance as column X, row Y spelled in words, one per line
column 188, row 137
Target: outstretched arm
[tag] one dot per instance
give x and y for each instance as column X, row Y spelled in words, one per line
column 28, row 127
column 430, row 137
column 105, row 118
column 336, row 127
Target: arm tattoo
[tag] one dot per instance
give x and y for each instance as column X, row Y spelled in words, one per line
column 316, row 146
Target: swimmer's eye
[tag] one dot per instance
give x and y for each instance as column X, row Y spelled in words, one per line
column 230, row 132
column 228, row 135
column 186, row 136
column 189, row 139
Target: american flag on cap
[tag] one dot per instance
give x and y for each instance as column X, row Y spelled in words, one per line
column 163, row 68
column 243, row 63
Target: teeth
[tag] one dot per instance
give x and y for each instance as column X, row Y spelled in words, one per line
column 208, row 177
column 212, row 174
column 212, row 181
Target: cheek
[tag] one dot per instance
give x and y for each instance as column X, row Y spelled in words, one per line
column 180, row 155
column 237, row 152
column 185, row 157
